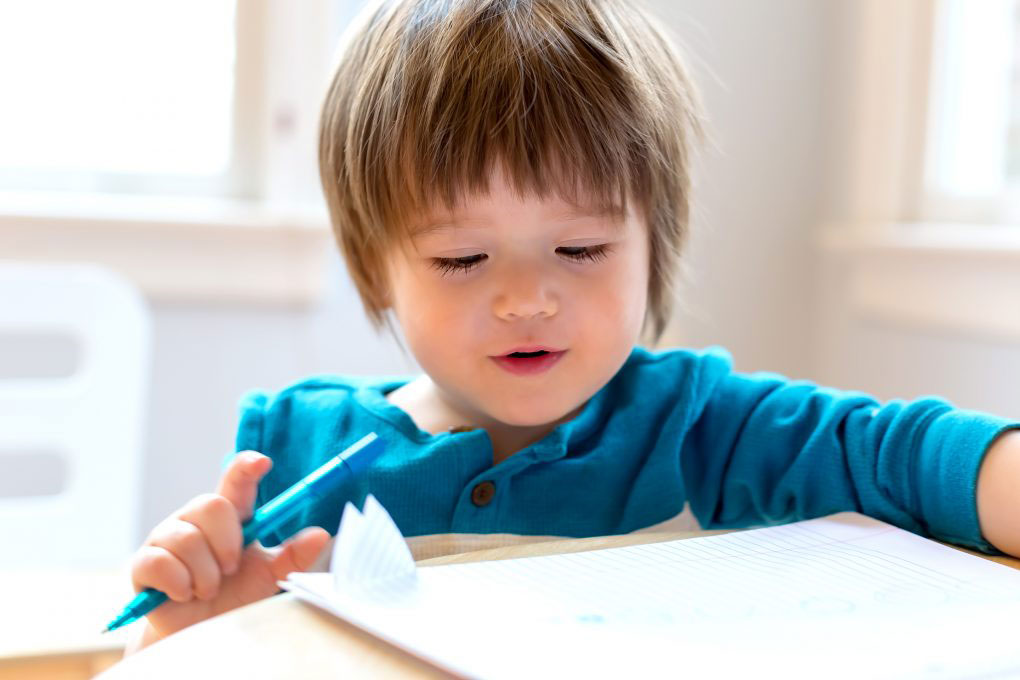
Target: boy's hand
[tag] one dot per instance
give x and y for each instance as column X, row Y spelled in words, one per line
column 195, row 556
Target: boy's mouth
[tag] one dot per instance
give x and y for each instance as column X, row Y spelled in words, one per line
column 529, row 360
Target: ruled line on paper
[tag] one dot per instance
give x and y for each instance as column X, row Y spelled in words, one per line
column 763, row 569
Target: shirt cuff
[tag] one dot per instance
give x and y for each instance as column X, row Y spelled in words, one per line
column 952, row 451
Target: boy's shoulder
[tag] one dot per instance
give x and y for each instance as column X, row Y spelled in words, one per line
column 679, row 381
column 321, row 388
column 642, row 358
column 673, row 367
column 306, row 408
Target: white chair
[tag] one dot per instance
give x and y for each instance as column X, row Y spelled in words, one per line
column 71, row 445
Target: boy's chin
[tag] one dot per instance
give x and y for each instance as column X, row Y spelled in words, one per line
column 532, row 414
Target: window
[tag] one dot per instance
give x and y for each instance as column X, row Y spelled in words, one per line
column 972, row 163
column 119, row 96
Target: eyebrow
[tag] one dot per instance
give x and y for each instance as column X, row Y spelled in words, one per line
column 579, row 213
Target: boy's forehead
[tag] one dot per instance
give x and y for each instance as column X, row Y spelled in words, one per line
column 554, row 210
column 558, row 194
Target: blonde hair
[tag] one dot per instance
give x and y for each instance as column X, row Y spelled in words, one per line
column 569, row 96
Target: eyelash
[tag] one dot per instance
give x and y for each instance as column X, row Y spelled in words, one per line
column 452, row 265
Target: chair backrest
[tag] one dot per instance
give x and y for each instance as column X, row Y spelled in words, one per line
column 70, row 445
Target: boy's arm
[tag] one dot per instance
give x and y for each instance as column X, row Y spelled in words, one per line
column 998, row 499
column 766, row 450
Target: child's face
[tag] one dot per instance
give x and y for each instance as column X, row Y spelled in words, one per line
column 504, row 273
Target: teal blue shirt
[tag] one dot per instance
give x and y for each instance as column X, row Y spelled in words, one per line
column 670, row 428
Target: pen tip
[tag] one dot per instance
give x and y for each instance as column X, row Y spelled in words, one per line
column 106, row 629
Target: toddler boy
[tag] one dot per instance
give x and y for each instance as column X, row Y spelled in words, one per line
column 509, row 182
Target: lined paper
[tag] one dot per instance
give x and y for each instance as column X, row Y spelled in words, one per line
column 843, row 596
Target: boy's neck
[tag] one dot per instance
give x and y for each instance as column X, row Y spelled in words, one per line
column 509, row 439
column 423, row 402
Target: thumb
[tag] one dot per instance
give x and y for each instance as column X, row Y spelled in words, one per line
column 300, row 552
column 240, row 482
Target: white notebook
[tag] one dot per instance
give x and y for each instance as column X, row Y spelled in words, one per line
column 840, row 596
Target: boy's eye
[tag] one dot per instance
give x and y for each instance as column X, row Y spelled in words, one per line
column 582, row 253
column 451, row 265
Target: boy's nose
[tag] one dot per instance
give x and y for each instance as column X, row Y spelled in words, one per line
column 524, row 297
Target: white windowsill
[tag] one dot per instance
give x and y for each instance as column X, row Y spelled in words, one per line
column 954, row 277
column 179, row 250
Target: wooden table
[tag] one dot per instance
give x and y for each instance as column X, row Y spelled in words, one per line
column 260, row 640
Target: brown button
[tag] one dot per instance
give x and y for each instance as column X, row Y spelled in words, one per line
column 483, row 493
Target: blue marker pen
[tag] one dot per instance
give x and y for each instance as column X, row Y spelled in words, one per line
column 352, row 461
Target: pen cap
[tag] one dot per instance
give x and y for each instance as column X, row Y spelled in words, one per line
column 359, row 456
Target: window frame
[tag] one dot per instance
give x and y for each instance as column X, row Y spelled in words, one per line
column 935, row 203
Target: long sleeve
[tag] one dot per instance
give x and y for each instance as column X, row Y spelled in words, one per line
column 767, row 450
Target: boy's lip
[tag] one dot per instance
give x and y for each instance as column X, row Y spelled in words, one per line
column 529, row 365
column 530, row 348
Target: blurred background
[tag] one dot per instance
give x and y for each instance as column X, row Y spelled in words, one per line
column 855, row 219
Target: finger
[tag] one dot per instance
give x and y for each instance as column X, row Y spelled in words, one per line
column 217, row 518
column 299, row 553
column 188, row 544
column 156, row 567
column 241, row 481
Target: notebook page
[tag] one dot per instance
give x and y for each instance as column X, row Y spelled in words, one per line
column 846, row 596
column 369, row 547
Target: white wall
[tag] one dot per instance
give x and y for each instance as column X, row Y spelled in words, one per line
column 764, row 70
column 892, row 358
